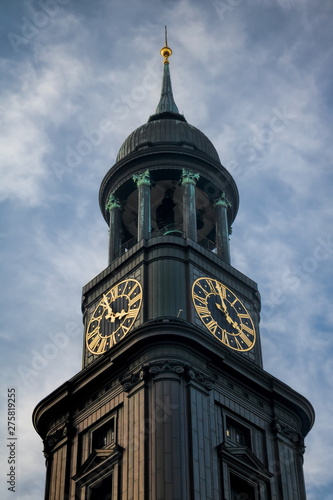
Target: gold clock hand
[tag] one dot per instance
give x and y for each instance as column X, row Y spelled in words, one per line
column 219, row 289
column 121, row 314
column 110, row 314
column 233, row 323
column 224, row 309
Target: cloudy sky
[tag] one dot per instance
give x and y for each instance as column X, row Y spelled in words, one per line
column 255, row 76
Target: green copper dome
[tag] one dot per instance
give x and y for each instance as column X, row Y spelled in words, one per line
column 167, row 131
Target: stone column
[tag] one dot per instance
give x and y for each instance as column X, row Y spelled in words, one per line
column 189, row 180
column 143, row 183
column 222, row 227
column 114, row 207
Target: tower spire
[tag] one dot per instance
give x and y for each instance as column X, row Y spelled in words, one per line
column 167, row 103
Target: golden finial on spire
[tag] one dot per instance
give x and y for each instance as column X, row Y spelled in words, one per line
column 166, row 51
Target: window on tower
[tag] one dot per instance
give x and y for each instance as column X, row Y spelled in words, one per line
column 243, row 461
column 237, row 434
column 104, row 436
column 102, row 490
column 241, row 489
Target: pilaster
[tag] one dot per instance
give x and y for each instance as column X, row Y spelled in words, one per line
column 170, row 384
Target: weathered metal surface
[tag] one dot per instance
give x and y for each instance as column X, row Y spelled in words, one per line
column 167, row 130
column 167, row 103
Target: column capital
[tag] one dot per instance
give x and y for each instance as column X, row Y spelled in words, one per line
column 223, row 201
column 142, row 178
column 189, row 177
column 112, row 203
column 51, row 440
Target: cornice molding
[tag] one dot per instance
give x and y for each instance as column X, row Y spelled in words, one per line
column 163, row 369
column 283, row 430
column 185, row 335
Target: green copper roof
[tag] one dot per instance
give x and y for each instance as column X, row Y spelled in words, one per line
column 167, row 103
column 167, row 126
column 169, row 131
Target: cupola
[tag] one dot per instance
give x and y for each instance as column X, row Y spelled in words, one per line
column 168, row 180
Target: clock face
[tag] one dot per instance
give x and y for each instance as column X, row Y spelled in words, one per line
column 223, row 314
column 114, row 316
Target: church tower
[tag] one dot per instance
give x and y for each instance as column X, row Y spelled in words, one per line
column 172, row 402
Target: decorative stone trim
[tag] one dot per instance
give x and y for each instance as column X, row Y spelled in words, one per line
column 280, row 428
column 98, row 464
column 166, row 366
column 177, row 368
column 223, row 201
column 134, row 379
column 252, row 467
column 201, row 378
column 53, row 439
column 142, row 178
column 189, row 177
column 112, row 203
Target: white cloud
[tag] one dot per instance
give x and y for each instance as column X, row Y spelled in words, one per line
column 36, row 103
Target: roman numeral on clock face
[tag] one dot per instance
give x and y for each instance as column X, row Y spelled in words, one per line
column 203, row 310
column 201, row 300
column 102, row 345
column 131, row 313
column 245, row 339
column 223, row 314
column 211, row 325
column 210, row 286
column 225, row 338
column 247, row 329
column 114, row 316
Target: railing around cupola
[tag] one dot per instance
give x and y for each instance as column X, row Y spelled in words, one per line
column 170, row 230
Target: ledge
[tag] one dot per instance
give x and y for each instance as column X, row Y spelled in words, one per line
column 166, row 332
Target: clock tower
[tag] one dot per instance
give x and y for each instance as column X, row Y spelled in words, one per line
column 172, row 402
